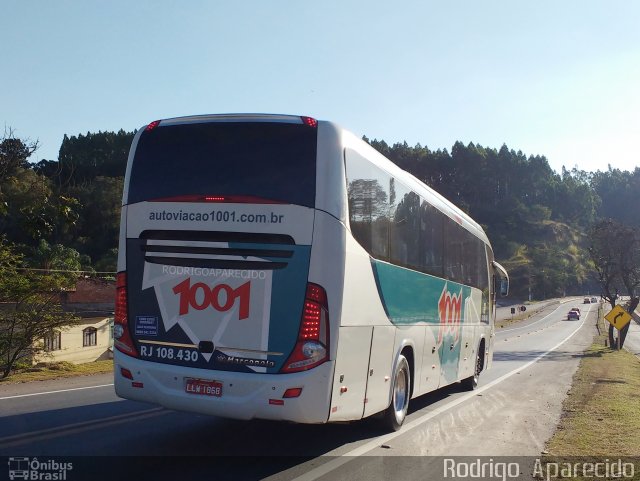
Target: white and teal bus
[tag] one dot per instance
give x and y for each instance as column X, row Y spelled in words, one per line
column 278, row 267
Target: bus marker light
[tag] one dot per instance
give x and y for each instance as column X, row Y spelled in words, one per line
column 309, row 121
column 126, row 373
column 292, row 392
column 343, row 389
column 276, row 402
column 152, row 125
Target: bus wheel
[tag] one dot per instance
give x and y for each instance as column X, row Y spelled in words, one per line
column 401, row 390
column 470, row 383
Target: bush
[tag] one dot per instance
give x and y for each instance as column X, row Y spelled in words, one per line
column 62, row 366
column 52, row 366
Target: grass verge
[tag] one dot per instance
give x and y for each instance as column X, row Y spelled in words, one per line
column 514, row 319
column 520, row 316
column 55, row 370
column 601, row 414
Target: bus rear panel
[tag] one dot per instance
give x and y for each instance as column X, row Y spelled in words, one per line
column 215, row 313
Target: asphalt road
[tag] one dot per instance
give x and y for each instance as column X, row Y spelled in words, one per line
column 512, row 413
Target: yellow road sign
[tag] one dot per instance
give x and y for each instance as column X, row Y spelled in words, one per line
column 618, row 317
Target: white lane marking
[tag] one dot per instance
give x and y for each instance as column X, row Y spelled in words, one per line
column 335, row 463
column 75, row 428
column 54, row 392
column 539, row 320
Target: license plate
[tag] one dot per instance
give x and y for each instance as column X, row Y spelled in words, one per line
column 203, row 388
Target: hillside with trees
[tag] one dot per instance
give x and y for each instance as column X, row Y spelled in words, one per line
column 66, row 212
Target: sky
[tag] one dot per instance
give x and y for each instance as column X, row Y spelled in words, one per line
column 553, row 78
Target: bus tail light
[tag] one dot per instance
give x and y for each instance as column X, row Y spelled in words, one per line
column 121, row 336
column 311, row 348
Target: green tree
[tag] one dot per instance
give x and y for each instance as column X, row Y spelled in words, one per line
column 108, row 262
column 31, row 309
column 618, row 190
column 14, row 154
column 57, row 258
column 33, row 210
column 615, row 252
column 84, row 157
column 99, row 223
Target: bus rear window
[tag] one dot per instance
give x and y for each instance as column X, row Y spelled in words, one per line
column 269, row 160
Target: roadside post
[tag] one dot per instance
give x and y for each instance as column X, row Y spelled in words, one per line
column 599, row 319
column 515, row 310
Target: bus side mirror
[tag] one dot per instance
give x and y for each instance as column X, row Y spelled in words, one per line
column 504, row 287
column 501, row 272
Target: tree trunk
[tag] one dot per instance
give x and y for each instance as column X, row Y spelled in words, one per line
column 632, row 307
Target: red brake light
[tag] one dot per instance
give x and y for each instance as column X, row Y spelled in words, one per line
column 121, row 280
column 152, row 125
column 316, row 293
column 310, row 121
column 232, row 199
column 315, row 306
column 310, row 328
column 311, row 349
column 122, row 338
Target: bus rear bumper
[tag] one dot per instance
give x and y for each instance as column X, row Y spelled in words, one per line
column 244, row 395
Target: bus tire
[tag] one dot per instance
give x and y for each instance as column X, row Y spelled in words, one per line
column 400, row 392
column 471, row 383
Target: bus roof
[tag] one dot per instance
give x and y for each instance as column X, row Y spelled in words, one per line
column 293, row 119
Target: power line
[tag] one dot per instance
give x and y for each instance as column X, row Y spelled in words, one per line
column 66, row 271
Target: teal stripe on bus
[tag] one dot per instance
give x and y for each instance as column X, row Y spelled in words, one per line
column 411, row 297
